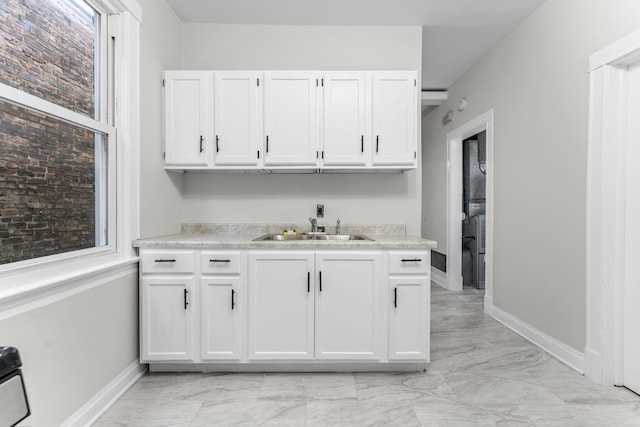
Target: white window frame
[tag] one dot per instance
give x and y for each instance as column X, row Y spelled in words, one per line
column 40, row 281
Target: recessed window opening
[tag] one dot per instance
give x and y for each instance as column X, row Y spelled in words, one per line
column 56, row 195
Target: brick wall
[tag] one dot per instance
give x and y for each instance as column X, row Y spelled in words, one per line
column 47, row 167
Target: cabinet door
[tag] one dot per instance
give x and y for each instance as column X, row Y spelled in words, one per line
column 291, row 119
column 409, row 318
column 187, row 109
column 222, row 304
column 280, row 305
column 395, row 115
column 344, row 113
column 348, row 306
column 236, row 118
column 166, row 318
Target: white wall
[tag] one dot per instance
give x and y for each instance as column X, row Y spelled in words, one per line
column 73, row 348
column 160, row 192
column 536, row 81
column 369, row 198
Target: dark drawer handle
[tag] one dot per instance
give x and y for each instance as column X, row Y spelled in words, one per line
column 233, row 302
column 395, row 297
column 165, row 260
column 219, row 260
column 411, row 260
column 186, row 303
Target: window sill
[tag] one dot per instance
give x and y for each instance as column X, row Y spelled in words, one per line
column 36, row 287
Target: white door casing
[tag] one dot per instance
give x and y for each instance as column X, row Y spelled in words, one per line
column 484, row 122
column 611, row 199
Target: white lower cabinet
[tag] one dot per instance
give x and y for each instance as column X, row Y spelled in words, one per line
column 409, row 301
column 166, row 319
column 409, row 318
column 270, row 306
column 223, row 299
column 221, row 318
column 348, row 310
column 281, row 302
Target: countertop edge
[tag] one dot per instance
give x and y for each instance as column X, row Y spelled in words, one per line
column 180, row 241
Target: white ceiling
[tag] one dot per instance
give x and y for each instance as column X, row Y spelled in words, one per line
column 456, row 33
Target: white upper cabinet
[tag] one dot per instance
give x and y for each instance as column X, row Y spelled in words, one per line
column 236, row 118
column 291, row 119
column 187, row 97
column 344, row 119
column 394, row 118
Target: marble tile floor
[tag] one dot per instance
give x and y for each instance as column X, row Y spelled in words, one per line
column 481, row 374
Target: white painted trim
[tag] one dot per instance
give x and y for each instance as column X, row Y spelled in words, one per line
column 606, row 198
column 107, row 396
column 454, row 202
column 43, row 106
column 454, row 212
column 566, row 354
column 431, row 97
column 622, row 52
column 439, row 277
column 52, row 288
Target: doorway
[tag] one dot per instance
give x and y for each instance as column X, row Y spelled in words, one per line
column 456, row 214
column 474, row 185
column 613, row 209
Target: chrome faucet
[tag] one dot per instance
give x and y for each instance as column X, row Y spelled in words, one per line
column 314, row 224
column 338, row 227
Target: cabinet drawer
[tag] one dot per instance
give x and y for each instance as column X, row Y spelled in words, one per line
column 152, row 261
column 413, row 262
column 221, row 262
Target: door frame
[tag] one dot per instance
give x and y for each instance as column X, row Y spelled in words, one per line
column 484, row 122
column 606, row 199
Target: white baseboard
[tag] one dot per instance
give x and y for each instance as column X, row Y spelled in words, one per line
column 566, row 354
column 98, row 404
column 439, row 277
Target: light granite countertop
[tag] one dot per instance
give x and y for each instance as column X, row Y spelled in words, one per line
column 240, row 236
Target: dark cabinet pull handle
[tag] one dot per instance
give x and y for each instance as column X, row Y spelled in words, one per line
column 185, row 299
column 362, row 143
column 217, row 145
column 219, row 260
column 320, row 275
column 201, row 146
column 164, row 260
column 395, row 297
column 233, row 302
column 377, row 136
column 267, row 150
column 308, row 281
column 411, row 260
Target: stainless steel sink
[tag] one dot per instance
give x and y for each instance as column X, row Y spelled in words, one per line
column 321, row 237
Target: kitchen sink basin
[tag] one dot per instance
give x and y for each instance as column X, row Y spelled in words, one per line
column 319, row 237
